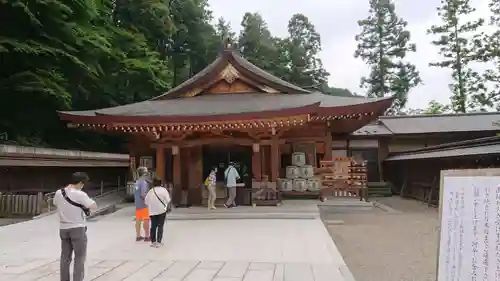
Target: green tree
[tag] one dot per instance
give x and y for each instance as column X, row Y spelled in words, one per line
column 487, row 92
column 224, row 31
column 383, row 44
column 256, row 43
column 44, row 57
column 194, row 42
column 456, row 48
column 304, row 45
column 435, row 107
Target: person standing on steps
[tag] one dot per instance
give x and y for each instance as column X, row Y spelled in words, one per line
column 231, row 175
column 157, row 200
column 141, row 209
column 211, row 182
column 73, row 206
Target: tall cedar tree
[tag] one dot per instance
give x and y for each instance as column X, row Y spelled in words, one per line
column 488, row 47
column 224, row 32
column 304, row 45
column 256, row 43
column 456, row 48
column 86, row 54
column 383, row 44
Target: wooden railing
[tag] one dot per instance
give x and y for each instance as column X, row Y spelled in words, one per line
column 21, row 204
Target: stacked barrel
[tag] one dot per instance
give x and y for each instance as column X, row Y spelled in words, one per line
column 300, row 176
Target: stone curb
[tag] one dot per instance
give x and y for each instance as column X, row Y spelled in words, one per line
column 242, row 217
column 386, row 208
column 346, row 273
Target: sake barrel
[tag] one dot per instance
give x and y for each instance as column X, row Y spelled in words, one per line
column 306, row 171
column 286, row 185
column 299, row 185
column 130, row 188
column 292, row 172
column 313, row 184
column 298, row 158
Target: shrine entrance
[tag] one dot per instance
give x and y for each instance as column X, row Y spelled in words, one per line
column 220, row 155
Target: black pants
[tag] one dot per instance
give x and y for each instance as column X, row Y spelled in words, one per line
column 157, row 223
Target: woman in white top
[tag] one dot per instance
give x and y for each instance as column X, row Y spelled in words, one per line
column 157, row 200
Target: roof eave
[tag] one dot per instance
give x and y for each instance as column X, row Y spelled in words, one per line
column 378, row 107
column 106, row 119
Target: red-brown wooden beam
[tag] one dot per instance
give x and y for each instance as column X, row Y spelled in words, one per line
column 177, row 176
column 275, row 159
column 256, row 163
column 328, row 147
column 160, row 163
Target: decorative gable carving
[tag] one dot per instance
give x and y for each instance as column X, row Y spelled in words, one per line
column 229, row 73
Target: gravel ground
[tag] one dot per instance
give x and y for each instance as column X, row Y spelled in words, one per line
column 381, row 246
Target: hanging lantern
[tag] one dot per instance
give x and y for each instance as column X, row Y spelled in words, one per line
column 255, row 147
column 175, row 150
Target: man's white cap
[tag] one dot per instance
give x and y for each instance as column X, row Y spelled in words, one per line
column 141, row 171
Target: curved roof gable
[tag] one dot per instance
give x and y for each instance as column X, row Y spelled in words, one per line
column 232, row 60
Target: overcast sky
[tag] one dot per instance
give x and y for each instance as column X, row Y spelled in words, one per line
column 336, row 21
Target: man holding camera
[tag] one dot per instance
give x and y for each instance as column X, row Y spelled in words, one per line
column 73, row 205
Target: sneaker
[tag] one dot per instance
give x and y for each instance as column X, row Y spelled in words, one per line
column 140, row 238
column 153, row 245
column 226, row 205
column 213, row 208
column 147, row 239
column 159, row 244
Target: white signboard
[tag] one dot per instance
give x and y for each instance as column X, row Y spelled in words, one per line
column 469, row 248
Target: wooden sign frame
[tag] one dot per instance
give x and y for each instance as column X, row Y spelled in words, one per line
column 486, row 172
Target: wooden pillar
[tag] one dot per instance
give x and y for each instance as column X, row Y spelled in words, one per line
column 275, row 159
column 195, row 176
column 383, row 152
column 177, row 188
column 160, row 163
column 328, row 147
column 265, row 160
column 256, row 162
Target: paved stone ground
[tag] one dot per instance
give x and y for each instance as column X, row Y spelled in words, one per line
column 381, row 246
column 199, row 250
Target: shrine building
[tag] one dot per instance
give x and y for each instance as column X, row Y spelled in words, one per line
column 231, row 111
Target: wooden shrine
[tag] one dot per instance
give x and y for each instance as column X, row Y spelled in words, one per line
column 230, row 111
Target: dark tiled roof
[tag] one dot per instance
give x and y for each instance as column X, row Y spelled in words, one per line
column 421, row 124
column 375, row 129
column 264, row 74
column 426, row 124
column 231, row 56
column 476, row 147
column 220, row 104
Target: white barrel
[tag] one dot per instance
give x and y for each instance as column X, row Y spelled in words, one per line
column 299, row 185
column 292, row 172
column 286, row 184
column 313, row 184
column 298, row 158
column 306, row 171
column 130, row 188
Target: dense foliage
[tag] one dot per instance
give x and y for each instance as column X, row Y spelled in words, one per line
column 383, row 44
column 88, row 54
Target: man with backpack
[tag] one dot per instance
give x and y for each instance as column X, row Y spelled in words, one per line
column 73, row 205
column 231, row 175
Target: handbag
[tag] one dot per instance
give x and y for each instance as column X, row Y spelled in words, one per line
column 85, row 210
column 168, row 206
